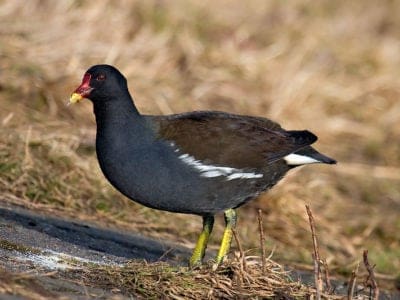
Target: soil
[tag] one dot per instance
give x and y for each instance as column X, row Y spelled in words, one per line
column 40, row 256
column 47, row 248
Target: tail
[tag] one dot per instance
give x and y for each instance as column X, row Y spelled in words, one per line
column 307, row 155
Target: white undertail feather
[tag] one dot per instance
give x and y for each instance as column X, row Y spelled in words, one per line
column 216, row 171
column 297, row 159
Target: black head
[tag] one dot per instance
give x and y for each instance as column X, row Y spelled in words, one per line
column 100, row 83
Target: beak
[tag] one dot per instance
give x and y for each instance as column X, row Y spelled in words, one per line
column 83, row 91
column 75, row 98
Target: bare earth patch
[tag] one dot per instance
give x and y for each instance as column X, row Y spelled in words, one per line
column 44, row 257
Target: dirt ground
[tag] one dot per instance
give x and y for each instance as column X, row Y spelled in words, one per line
column 47, row 257
column 44, row 249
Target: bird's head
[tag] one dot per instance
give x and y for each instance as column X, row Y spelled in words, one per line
column 100, row 82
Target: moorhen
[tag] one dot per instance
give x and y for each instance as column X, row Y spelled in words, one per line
column 201, row 162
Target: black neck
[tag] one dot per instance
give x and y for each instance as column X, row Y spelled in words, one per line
column 116, row 109
column 118, row 120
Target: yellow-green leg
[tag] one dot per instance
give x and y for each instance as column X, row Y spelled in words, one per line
column 230, row 220
column 201, row 245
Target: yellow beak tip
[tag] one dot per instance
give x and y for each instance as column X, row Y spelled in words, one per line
column 75, row 97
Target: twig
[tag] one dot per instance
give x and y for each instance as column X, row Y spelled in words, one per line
column 352, row 282
column 165, row 253
column 27, row 163
column 242, row 257
column 327, row 277
column 262, row 240
column 316, row 258
column 371, row 276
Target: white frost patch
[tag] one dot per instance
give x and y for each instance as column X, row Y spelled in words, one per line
column 55, row 260
column 297, row 159
column 215, row 171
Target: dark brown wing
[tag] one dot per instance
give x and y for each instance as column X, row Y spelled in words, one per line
column 230, row 140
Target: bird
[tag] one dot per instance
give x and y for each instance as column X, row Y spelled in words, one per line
column 201, row 163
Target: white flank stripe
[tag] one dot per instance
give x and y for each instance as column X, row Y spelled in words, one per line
column 211, row 174
column 297, row 159
column 244, row 175
column 215, row 171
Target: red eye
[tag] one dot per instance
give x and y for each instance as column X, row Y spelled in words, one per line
column 101, row 77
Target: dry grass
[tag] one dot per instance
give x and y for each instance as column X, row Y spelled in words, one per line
column 230, row 281
column 331, row 67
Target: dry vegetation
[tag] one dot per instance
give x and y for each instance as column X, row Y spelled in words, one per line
column 330, row 66
column 227, row 282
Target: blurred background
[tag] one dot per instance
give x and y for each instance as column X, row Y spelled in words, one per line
column 332, row 67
